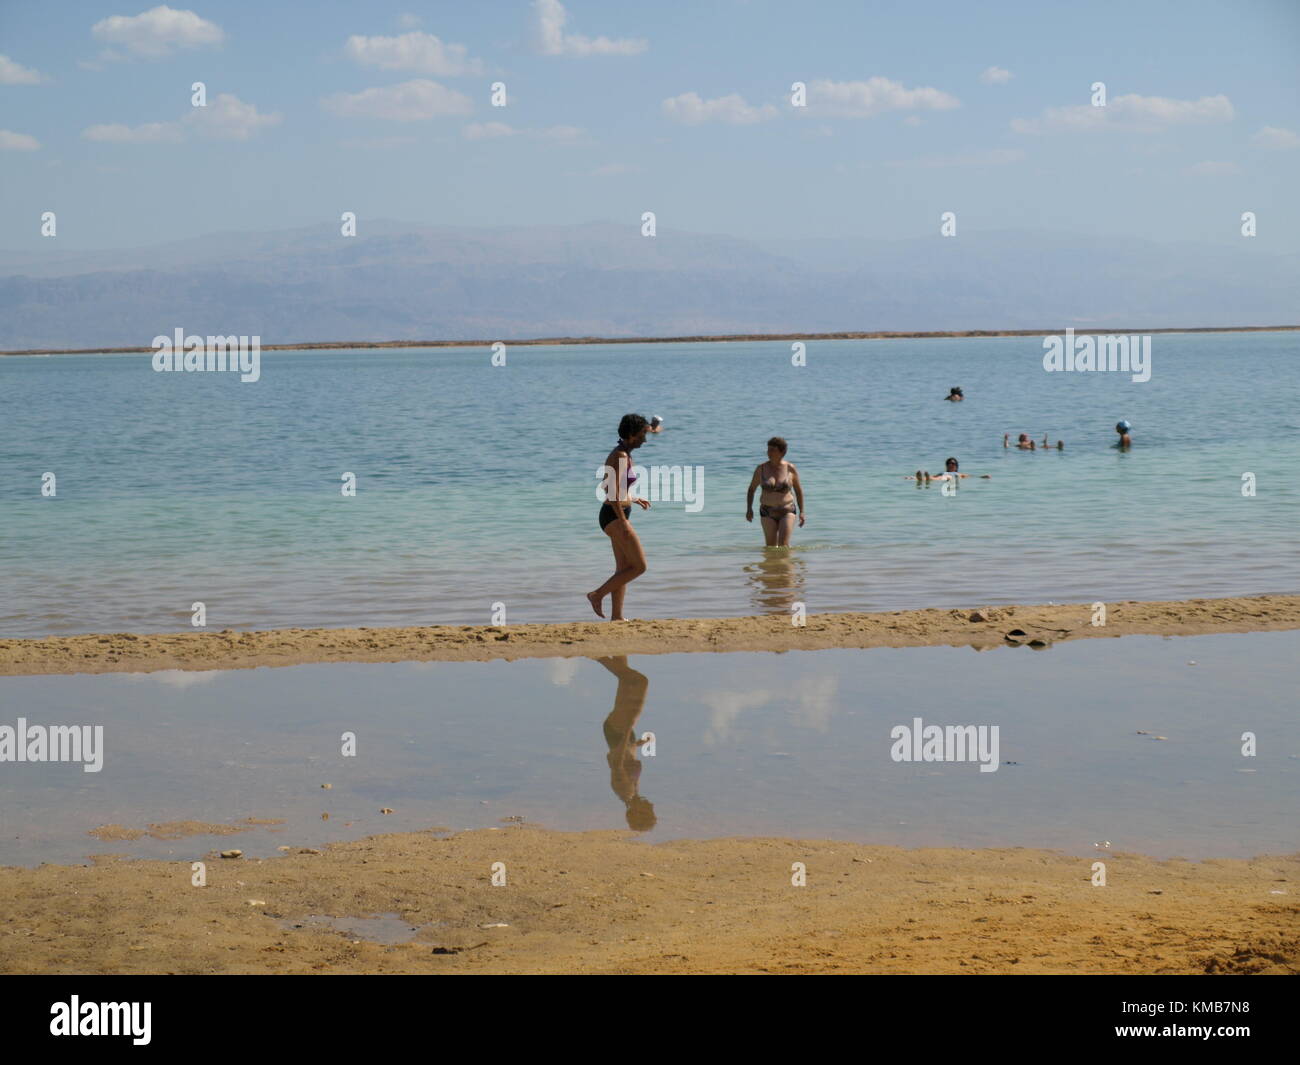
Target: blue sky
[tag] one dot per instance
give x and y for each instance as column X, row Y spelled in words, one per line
column 682, row 108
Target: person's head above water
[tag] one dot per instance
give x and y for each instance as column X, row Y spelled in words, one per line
column 955, row 392
column 1122, row 427
column 656, row 423
column 632, row 429
column 950, row 465
column 1024, row 438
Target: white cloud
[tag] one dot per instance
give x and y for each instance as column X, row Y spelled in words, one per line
column 691, row 109
column 17, row 142
column 996, row 76
column 1131, row 112
column 225, row 118
column 1275, row 137
column 149, row 133
column 561, row 134
column 229, row 118
column 12, row 73
column 552, row 40
column 875, row 96
column 483, row 131
column 411, row 101
column 157, row 32
column 421, row 52
column 1211, row 168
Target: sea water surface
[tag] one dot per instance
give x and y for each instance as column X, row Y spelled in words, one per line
column 1103, row 746
column 476, row 484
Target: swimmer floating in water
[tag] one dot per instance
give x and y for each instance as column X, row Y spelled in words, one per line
column 1125, row 441
column 954, row 396
column 950, row 474
column 1024, row 443
column 656, row 425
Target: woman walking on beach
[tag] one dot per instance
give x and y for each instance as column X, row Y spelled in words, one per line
column 781, row 488
column 629, row 555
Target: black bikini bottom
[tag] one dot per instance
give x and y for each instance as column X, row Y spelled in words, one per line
column 607, row 514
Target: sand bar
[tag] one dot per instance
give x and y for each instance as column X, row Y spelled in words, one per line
column 1037, row 626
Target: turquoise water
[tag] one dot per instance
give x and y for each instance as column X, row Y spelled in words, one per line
column 476, row 484
column 796, row 745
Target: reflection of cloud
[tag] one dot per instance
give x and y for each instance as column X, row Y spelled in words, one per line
column 816, row 703
column 562, row 671
column 726, row 707
column 177, row 678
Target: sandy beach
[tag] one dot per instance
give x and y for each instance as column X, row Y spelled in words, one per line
column 603, row 903
column 1034, row 626
column 609, row 902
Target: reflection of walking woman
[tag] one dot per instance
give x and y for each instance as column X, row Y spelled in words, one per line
column 620, row 737
column 629, row 555
column 780, row 483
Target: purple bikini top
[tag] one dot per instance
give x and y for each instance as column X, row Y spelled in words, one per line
column 622, row 446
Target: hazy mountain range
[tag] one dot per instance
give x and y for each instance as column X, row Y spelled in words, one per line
column 397, row 281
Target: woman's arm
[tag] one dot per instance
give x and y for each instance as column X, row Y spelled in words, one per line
column 797, row 485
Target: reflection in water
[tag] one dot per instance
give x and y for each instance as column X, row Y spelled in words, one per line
column 620, row 735
column 777, row 580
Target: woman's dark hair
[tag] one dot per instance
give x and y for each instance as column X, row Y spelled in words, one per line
column 954, row 392
column 952, row 460
column 779, row 443
column 630, row 425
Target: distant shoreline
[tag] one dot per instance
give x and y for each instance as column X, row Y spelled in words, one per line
column 336, row 345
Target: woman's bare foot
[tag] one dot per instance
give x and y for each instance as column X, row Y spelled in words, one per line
column 594, row 600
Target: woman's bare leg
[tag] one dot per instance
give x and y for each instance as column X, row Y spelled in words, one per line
column 621, row 562
column 769, row 531
column 784, row 529
column 629, row 562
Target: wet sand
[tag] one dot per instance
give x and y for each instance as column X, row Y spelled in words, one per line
column 996, row 626
column 604, row 903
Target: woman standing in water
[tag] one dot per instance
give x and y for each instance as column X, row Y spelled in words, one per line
column 629, row 555
column 781, row 488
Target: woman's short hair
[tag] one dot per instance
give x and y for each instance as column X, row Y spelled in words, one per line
column 630, row 425
column 950, row 459
column 779, row 443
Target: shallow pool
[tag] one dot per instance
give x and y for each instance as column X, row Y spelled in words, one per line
column 800, row 744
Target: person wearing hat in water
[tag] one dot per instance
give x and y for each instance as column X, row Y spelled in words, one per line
column 656, row 425
column 1125, row 441
column 954, row 395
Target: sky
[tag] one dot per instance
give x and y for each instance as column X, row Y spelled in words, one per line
column 615, row 108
